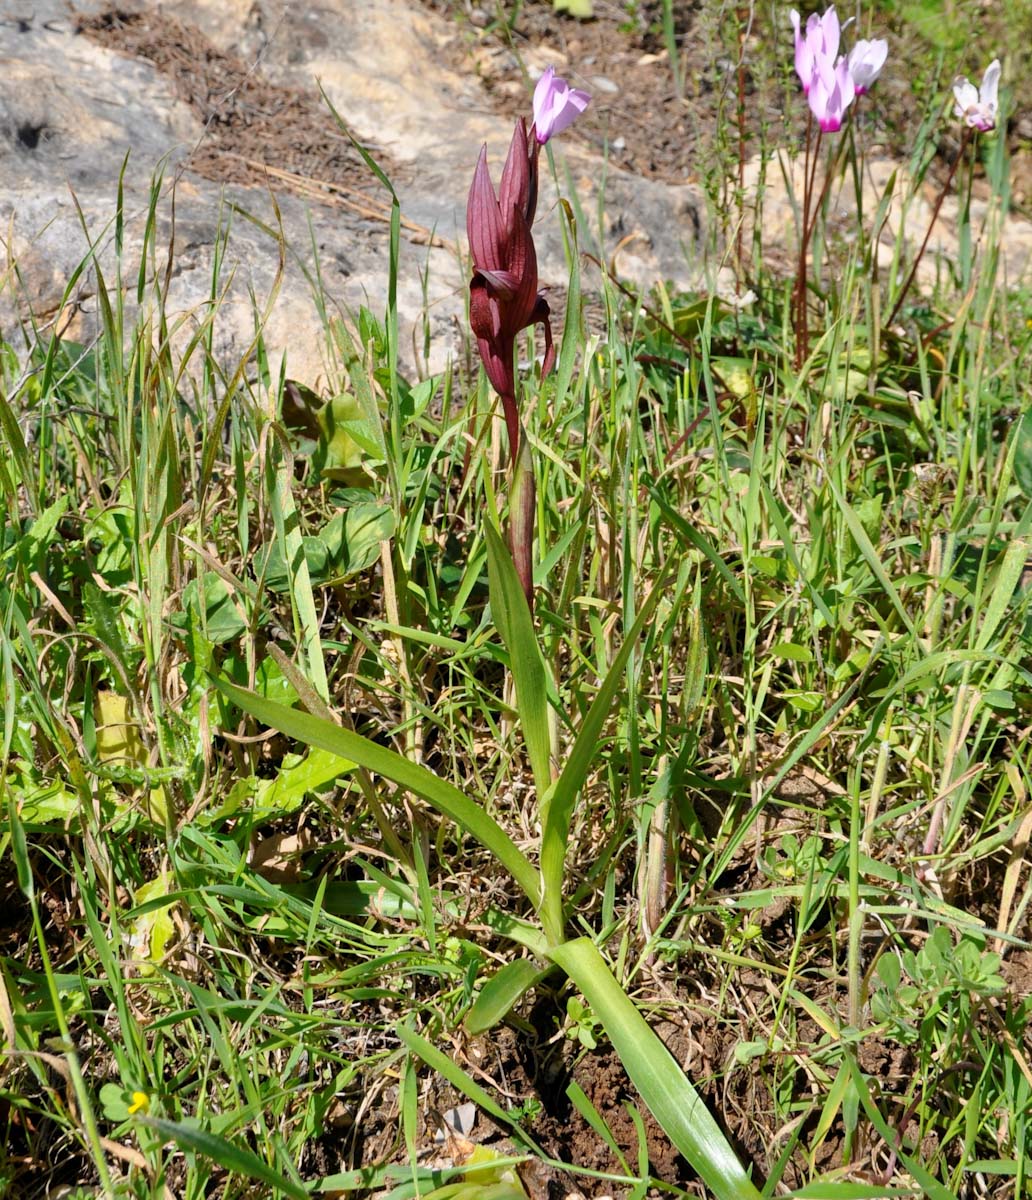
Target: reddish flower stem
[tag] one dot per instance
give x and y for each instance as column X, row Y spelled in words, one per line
column 968, row 134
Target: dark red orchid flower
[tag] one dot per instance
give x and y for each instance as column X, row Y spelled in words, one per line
column 503, row 294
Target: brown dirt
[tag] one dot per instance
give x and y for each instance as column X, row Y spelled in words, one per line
column 254, row 130
column 636, row 111
column 544, row 1069
column 730, row 79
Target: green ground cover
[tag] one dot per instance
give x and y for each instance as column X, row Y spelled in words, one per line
column 313, row 833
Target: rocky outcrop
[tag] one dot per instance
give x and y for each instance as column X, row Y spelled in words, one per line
column 217, row 105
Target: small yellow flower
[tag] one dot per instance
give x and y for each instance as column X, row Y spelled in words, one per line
column 141, row 1103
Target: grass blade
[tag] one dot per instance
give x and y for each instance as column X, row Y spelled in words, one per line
column 441, row 795
column 675, row 1104
column 559, row 813
column 529, row 674
column 237, row 1159
column 501, row 992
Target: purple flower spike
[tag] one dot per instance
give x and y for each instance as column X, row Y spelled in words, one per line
column 978, row 106
column 503, row 293
column 866, row 60
column 556, row 105
column 831, row 93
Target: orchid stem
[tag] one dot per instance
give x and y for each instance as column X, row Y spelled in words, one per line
column 522, row 513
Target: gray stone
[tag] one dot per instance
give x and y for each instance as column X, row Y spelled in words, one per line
column 70, row 111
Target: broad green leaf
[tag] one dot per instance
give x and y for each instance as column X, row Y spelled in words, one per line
column 221, row 609
column 347, row 436
column 1005, row 579
column 441, row 795
column 352, row 538
column 278, row 573
column 529, row 673
column 738, row 375
column 41, row 532
column 1023, row 455
column 118, row 732
column 115, row 1101
column 501, row 992
column 119, row 745
column 297, row 778
column 672, row 1100
column 49, row 803
column 152, row 930
column 415, row 399
column 576, row 8
column 792, row 651
column 237, row 1159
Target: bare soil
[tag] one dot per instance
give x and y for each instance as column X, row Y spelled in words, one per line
column 730, row 93
column 255, row 131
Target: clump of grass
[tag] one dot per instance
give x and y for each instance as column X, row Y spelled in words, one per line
column 782, row 633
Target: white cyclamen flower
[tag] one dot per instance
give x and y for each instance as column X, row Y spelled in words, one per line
column 979, row 106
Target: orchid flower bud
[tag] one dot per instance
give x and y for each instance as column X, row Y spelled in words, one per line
column 556, row 105
column 503, row 293
column 979, row 107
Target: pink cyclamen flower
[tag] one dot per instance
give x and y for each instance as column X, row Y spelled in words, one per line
column 556, row 105
column 979, row 106
column 821, row 41
column 866, row 60
column 831, row 92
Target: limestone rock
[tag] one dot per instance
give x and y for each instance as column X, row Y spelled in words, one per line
column 72, row 107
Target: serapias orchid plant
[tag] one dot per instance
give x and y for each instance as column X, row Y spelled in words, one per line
column 503, row 293
column 504, row 300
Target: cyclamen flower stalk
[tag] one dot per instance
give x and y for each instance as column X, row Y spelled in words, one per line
column 978, row 108
column 830, row 82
